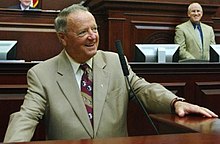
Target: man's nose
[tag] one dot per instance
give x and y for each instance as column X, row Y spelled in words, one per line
column 92, row 35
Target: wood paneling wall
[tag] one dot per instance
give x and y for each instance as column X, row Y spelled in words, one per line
column 132, row 22
column 34, row 31
column 57, row 4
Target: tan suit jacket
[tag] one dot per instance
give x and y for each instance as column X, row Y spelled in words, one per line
column 54, row 94
column 188, row 40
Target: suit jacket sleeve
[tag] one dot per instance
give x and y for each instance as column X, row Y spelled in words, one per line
column 155, row 97
column 22, row 124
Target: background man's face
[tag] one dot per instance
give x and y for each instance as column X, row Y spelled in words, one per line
column 195, row 13
column 25, row 3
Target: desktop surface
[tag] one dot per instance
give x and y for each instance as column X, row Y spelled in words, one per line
column 171, row 123
column 189, row 138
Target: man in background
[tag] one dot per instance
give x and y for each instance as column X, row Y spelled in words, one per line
column 23, row 5
column 193, row 36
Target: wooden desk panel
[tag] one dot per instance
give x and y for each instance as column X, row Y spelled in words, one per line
column 11, row 98
column 157, row 139
column 198, row 83
column 170, row 124
column 13, row 86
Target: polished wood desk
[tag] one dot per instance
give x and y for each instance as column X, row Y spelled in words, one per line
column 191, row 138
column 171, row 123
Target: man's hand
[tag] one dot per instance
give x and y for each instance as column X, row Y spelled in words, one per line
column 184, row 108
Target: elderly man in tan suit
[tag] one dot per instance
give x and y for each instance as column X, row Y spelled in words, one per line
column 54, row 89
column 193, row 36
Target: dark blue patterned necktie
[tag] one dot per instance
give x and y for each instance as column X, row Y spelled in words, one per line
column 200, row 35
column 87, row 90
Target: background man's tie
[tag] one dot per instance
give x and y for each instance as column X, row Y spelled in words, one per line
column 87, row 90
column 200, row 35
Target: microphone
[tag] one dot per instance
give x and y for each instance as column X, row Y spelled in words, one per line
column 126, row 73
column 122, row 58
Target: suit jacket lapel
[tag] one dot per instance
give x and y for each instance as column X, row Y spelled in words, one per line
column 68, row 84
column 100, row 79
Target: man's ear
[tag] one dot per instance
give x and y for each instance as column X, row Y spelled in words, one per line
column 62, row 38
column 188, row 14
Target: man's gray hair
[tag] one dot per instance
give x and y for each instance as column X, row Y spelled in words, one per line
column 60, row 22
column 190, row 6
